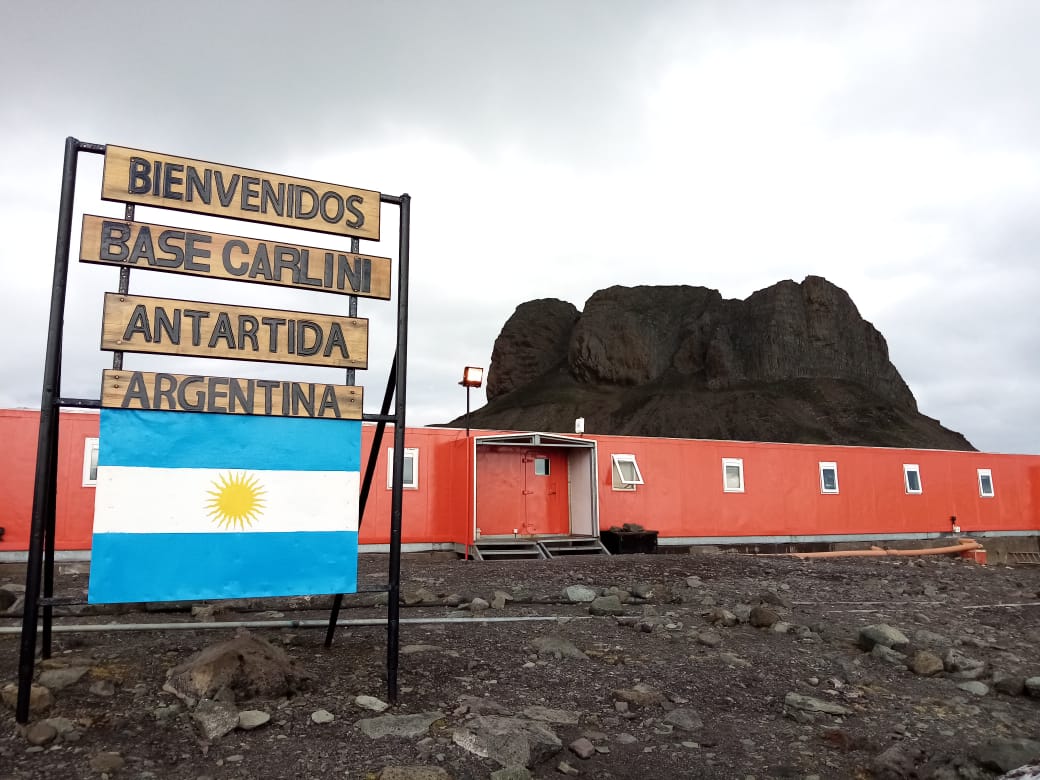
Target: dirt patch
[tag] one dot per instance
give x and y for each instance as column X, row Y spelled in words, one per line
column 671, row 687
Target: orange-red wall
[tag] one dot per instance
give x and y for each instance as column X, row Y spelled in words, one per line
column 74, row 511
column 437, row 511
column 682, row 496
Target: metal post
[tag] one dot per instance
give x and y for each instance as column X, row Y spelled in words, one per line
column 49, row 508
column 377, row 438
column 46, row 460
column 393, row 605
column 467, row 410
column 355, row 247
column 337, row 601
column 124, row 287
column 366, row 486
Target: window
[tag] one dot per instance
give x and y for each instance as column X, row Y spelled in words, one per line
column 985, row 483
column 625, row 472
column 90, row 452
column 733, row 475
column 541, row 467
column 410, row 478
column 912, row 478
column 828, row 477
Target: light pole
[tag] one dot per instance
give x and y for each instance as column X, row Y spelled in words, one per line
column 472, row 376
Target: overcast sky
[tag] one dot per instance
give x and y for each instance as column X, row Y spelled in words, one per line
column 556, row 148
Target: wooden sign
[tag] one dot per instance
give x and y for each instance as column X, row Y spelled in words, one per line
column 154, row 179
column 218, row 256
column 165, row 326
column 228, row 395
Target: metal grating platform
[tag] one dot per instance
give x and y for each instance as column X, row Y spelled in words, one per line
column 1019, row 558
column 572, row 545
column 533, row 548
column 506, row 549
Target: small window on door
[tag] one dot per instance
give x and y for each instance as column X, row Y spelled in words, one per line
column 410, row 477
column 733, row 475
column 986, row 483
column 828, row 477
column 541, row 467
column 90, row 457
column 625, row 472
column 912, row 478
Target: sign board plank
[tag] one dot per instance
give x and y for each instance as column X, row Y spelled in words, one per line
column 167, row 326
column 184, row 184
column 219, row 256
column 228, row 395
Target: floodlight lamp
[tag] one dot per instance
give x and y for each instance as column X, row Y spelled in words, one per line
column 472, row 376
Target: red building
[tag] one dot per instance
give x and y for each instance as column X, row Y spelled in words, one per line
column 500, row 485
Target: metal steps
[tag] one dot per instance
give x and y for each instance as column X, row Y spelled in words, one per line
column 529, row 548
column 1023, row 558
column 507, row 549
column 572, row 545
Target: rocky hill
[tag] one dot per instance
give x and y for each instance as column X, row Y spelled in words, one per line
column 792, row 363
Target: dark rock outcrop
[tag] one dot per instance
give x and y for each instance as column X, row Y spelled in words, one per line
column 793, row 362
column 532, row 341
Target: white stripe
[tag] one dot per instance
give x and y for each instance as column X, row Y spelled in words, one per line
column 146, row 500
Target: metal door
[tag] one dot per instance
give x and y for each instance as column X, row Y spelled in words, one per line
column 522, row 492
column 545, row 492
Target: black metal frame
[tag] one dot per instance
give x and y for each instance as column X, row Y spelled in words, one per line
column 39, row 578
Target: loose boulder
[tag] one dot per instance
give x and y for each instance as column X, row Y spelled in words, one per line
column 763, row 617
column 606, row 605
column 215, row 718
column 508, row 741
column 797, row 701
column 40, row 698
column 399, row 725
column 963, row 667
column 1003, row 755
column 245, row 666
column 882, row 634
column 557, row 647
column 925, row 663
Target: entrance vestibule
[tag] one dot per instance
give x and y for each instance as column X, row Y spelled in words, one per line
column 534, row 485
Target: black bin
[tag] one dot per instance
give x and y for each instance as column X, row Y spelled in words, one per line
column 620, row 542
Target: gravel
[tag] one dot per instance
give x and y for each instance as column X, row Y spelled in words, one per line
column 679, row 684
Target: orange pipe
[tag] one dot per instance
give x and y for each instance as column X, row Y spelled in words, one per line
column 873, row 552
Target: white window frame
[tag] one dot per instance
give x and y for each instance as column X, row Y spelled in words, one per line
column 739, row 463
column 410, row 453
column 992, row 490
column 90, row 455
column 618, row 479
column 832, row 466
column 907, row 469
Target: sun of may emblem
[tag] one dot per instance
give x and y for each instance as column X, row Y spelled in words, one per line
column 236, row 501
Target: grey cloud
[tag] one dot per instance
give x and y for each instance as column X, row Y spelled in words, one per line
column 967, row 68
column 240, row 76
column 967, row 348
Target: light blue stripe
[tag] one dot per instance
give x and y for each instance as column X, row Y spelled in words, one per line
column 191, row 567
column 218, row 441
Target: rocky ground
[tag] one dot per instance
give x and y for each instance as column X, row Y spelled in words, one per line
column 649, row 666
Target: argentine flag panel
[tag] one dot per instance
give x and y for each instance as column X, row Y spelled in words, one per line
column 210, row 506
